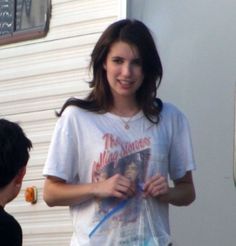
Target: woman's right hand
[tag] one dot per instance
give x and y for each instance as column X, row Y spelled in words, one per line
column 59, row 193
column 116, row 186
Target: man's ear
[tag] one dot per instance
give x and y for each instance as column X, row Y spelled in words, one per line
column 19, row 177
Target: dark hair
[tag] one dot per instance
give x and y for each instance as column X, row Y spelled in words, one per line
column 14, row 151
column 137, row 34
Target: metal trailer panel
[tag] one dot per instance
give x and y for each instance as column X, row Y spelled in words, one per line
column 37, row 76
column 196, row 40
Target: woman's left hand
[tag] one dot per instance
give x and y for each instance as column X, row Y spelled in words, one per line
column 156, row 185
column 182, row 194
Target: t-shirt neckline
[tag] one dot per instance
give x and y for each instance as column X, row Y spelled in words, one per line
column 136, row 116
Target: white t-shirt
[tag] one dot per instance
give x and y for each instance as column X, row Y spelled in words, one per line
column 87, row 147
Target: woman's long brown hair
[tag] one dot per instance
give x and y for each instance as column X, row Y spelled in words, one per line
column 100, row 98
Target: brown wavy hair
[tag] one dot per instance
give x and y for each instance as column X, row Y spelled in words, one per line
column 100, row 99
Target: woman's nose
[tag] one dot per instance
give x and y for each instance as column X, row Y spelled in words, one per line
column 127, row 70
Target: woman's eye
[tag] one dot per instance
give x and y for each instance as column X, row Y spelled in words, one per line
column 117, row 61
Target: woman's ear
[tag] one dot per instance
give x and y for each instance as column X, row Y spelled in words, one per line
column 105, row 66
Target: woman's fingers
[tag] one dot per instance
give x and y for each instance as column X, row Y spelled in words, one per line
column 156, row 185
column 124, row 186
column 117, row 186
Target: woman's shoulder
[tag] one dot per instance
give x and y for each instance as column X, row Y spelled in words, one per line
column 170, row 107
column 75, row 115
column 171, row 110
column 72, row 110
column 76, row 105
column 71, row 118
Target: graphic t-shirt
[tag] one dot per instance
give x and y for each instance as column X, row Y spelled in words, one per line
column 88, row 147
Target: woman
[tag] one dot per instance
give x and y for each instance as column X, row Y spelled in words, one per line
column 120, row 117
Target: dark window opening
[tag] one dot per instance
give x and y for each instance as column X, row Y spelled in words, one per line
column 23, row 19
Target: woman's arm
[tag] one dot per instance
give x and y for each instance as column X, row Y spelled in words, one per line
column 59, row 193
column 182, row 194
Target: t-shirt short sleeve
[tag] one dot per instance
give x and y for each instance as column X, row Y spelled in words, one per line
column 181, row 158
column 62, row 160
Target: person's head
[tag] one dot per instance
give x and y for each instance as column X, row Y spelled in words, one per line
column 138, row 37
column 134, row 37
column 14, row 153
column 131, row 171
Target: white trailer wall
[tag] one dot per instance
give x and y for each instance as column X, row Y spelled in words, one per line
column 196, row 40
column 36, row 77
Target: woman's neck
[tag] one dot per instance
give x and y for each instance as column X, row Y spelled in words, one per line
column 125, row 108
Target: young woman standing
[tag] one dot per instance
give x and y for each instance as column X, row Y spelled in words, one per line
column 121, row 118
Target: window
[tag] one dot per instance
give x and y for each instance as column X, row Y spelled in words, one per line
column 23, row 19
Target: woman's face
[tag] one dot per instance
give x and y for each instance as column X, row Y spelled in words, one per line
column 123, row 66
column 131, row 171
